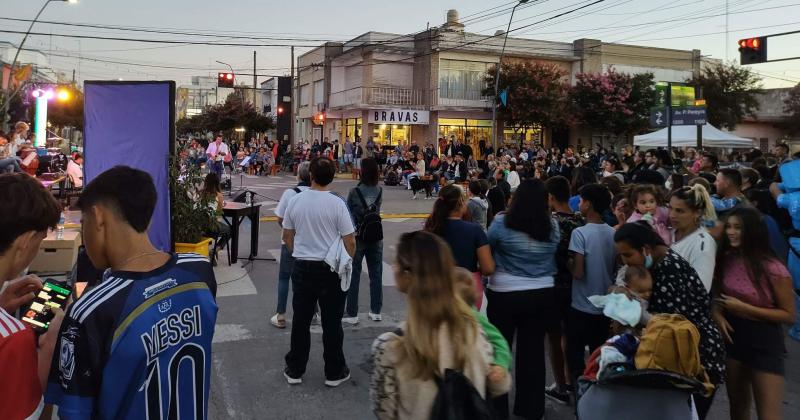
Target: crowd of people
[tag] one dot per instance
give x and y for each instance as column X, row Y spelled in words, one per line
column 542, row 235
column 677, row 233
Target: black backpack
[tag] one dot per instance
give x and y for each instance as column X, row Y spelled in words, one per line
column 458, row 399
column 369, row 229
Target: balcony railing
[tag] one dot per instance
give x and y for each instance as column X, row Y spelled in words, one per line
column 378, row 96
column 461, row 98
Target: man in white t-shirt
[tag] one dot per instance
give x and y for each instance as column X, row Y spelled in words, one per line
column 314, row 221
column 75, row 170
column 287, row 261
column 217, row 151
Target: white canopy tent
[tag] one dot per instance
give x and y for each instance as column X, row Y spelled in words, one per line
column 686, row 136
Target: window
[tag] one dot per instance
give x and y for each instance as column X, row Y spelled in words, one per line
column 319, row 92
column 462, row 79
column 304, row 95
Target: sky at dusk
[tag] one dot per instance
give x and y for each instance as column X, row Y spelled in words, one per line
column 273, row 25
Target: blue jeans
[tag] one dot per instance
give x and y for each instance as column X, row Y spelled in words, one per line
column 11, row 162
column 373, row 251
column 216, row 167
column 284, row 275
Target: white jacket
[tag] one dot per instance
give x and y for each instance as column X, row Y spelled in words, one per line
column 341, row 262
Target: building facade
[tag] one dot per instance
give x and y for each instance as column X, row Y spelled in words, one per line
column 399, row 89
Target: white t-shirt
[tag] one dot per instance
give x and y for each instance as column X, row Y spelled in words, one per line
column 287, row 196
column 513, row 180
column 318, row 218
column 75, row 173
column 700, row 250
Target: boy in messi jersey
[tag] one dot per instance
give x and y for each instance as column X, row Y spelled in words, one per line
column 138, row 345
column 27, row 212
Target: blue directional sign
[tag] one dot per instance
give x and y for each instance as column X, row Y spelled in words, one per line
column 658, row 117
column 689, row 115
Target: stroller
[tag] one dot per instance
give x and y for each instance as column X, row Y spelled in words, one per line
column 626, row 393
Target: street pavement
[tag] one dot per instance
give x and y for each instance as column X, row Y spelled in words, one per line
column 247, row 373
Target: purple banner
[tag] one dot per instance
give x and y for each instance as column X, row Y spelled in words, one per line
column 133, row 124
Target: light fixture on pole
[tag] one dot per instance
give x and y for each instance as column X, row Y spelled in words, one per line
column 497, row 76
column 9, row 94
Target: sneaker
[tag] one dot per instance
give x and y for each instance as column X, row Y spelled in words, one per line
column 375, row 317
column 278, row 321
column 414, row 197
column 334, row 382
column 290, row 377
column 556, row 394
column 352, row 320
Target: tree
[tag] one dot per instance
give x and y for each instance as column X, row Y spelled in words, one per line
column 225, row 117
column 536, row 94
column 68, row 113
column 730, row 93
column 613, row 102
column 791, row 106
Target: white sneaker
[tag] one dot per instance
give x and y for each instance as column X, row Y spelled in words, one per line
column 352, row 320
column 375, row 317
column 414, row 197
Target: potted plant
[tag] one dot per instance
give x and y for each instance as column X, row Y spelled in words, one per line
column 192, row 215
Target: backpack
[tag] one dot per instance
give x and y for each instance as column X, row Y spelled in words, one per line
column 369, row 229
column 458, row 399
column 672, row 343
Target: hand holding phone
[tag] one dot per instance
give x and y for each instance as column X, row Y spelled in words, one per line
column 19, row 292
column 41, row 311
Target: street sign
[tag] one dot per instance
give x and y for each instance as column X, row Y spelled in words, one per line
column 682, row 96
column 690, row 115
column 658, row 117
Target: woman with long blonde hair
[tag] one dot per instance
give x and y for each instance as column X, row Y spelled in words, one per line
column 440, row 333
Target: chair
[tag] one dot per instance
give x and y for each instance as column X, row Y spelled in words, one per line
column 213, row 253
column 70, row 191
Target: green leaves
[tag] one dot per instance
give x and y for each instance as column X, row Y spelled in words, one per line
column 192, row 214
column 730, row 93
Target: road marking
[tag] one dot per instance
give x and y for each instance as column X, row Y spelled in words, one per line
column 233, row 280
column 224, row 333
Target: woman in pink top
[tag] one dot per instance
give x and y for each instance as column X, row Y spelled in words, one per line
column 753, row 297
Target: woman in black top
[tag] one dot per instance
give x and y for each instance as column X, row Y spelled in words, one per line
column 677, row 289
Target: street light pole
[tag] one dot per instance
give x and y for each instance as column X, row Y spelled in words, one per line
column 11, row 95
column 497, row 76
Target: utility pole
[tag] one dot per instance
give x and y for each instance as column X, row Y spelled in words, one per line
column 291, row 107
column 255, row 80
column 669, row 117
column 73, row 76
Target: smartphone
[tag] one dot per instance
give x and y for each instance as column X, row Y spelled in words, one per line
column 54, row 294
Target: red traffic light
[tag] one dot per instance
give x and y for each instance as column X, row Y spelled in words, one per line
column 750, row 43
column 225, row 80
column 280, row 110
column 753, row 50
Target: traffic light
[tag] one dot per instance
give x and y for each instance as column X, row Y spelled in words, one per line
column 225, row 80
column 753, row 50
column 280, row 110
